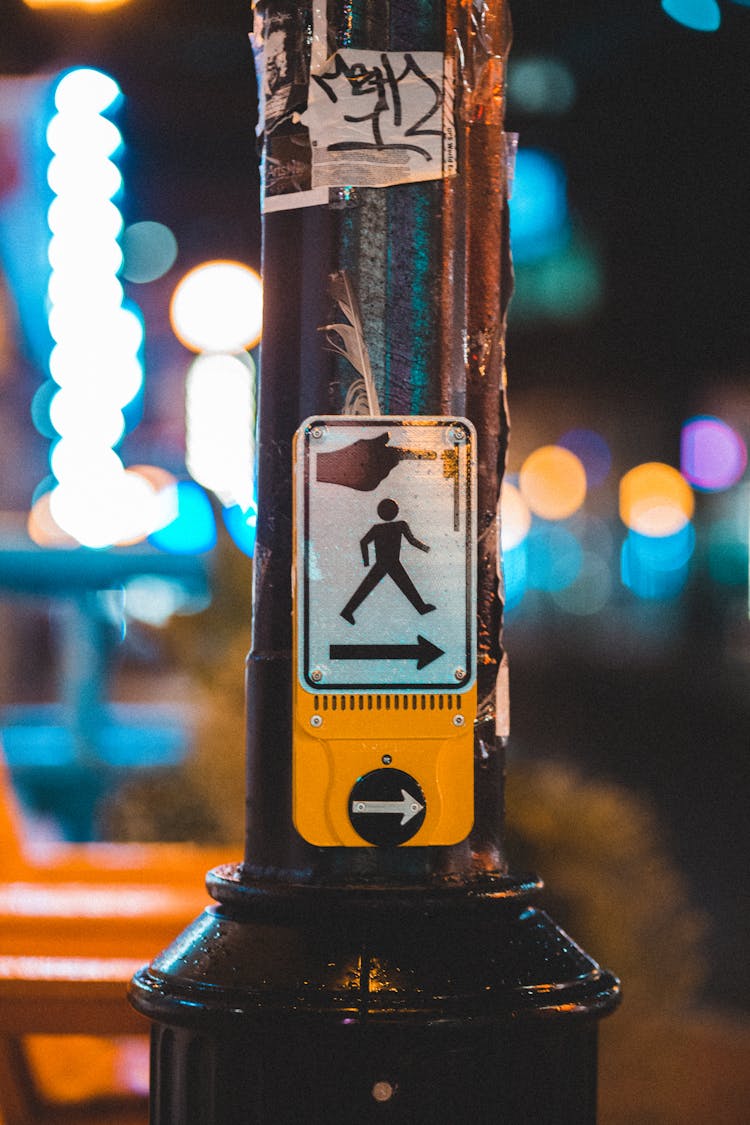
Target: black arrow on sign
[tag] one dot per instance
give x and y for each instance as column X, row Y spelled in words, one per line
column 424, row 652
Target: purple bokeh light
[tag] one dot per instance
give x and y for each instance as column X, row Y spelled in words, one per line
column 713, row 456
column 592, row 451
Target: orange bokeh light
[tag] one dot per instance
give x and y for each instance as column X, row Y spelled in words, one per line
column 42, row 528
column 552, row 481
column 84, row 5
column 655, row 500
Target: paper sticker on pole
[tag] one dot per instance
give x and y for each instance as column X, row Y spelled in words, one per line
column 386, row 554
column 378, row 118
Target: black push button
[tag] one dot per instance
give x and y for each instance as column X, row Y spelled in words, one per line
column 386, row 807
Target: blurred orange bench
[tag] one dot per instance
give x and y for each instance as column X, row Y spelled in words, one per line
column 46, row 1081
column 75, row 922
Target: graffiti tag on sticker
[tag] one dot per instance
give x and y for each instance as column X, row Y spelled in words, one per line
column 378, row 118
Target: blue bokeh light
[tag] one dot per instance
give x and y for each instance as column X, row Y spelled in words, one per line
column 241, row 526
column 515, row 575
column 193, row 530
column 538, row 207
column 555, row 557
column 656, row 567
column 698, row 15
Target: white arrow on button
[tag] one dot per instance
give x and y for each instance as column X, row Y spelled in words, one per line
column 408, row 807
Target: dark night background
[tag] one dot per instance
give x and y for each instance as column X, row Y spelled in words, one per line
column 654, row 696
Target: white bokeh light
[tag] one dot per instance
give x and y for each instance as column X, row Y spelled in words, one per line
column 95, row 360
column 83, row 132
column 74, row 461
column 85, row 370
column 220, row 411
column 78, row 418
column 86, row 88
column 99, row 513
column 218, row 307
column 70, row 211
column 66, row 290
column 81, row 252
column 90, row 177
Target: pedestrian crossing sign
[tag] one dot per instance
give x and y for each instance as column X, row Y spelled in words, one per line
column 385, row 550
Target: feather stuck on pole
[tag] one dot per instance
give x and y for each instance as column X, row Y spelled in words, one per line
column 348, row 340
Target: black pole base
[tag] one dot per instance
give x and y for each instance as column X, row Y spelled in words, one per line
column 350, row 1005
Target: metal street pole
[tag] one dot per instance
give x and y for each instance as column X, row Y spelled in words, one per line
column 342, row 982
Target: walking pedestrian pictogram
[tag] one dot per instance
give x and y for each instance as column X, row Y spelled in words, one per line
column 386, row 539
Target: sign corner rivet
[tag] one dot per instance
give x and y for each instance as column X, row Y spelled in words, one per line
column 316, row 720
column 460, row 674
column 458, row 720
column 316, row 675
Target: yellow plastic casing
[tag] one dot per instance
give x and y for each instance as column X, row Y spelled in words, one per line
column 340, row 737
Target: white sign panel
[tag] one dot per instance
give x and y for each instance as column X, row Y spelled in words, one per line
column 386, row 554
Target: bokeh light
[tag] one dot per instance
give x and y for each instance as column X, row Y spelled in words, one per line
column 78, row 253
column 515, row 582
column 218, row 307
column 728, row 553
column 515, row 517
column 592, row 451
column 97, row 337
column 75, row 418
column 43, row 529
column 90, row 176
column 554, row 558
column 157, row 477
column 101, row 216
column 149, row 251
column 100, row 512
column 83, row 132
column 665, row 552
column 84, row 88
column 68, row 289
column 656, row 567
column 83, row 5
column 80, row 460
column 552, row 481
column 220, row 426
column 713, row 456
column 563, row 285
column 241, row 526
column 154, row 600
column 538, row 206
column 40, row 405
column 655, row 500
column 592, row 589
column 541, row 84
column 84, row 370
column 699, row 15
column 193, row 529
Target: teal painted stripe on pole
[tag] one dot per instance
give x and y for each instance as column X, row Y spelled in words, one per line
column 423, row 301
